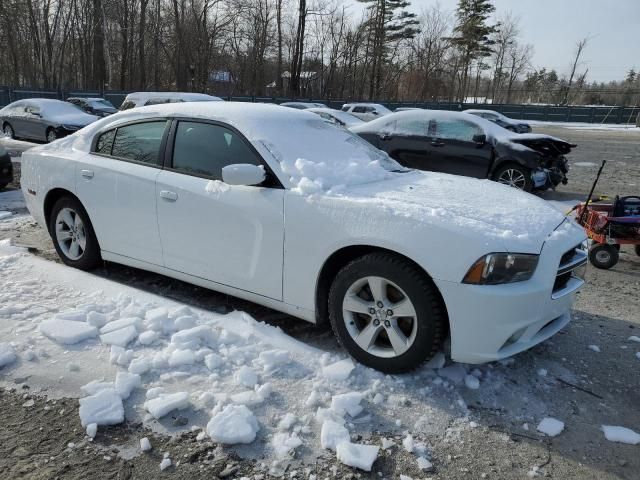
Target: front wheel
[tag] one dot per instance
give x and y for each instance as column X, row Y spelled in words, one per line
column 73, row 236
column 7, row 129
column 386, row 313
column 51, row 135
column 515, row 176
column 3, row 185
column 603, row 256
column 637, row 249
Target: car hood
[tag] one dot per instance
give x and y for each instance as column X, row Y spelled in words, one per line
column 78, row 119
column 521, row 222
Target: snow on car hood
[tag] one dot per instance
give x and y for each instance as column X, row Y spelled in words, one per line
column 522, row 222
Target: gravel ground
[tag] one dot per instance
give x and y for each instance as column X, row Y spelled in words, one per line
column 583, row 388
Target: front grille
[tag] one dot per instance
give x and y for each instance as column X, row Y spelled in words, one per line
column 571, row 261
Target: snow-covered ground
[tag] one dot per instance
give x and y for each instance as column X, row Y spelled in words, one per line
column 134, row 355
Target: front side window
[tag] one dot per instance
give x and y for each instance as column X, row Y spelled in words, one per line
column 139, row 142
column 455, row 130
column 204, row 149
column 345, row 108
column 359, row 109
column 413, row 127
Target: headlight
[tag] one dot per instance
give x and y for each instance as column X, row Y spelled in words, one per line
column 497, row 268
column 71, row 127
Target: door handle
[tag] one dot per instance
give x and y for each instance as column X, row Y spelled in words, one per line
column 87, row 173
column 436, row 143
column 170, row 196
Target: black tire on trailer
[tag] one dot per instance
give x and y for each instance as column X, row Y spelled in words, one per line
column 603, row 256
column 72, row 234
column 362, row 300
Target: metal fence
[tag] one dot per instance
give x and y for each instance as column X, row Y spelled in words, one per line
column 547, row 113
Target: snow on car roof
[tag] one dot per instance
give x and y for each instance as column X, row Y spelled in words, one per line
column 186, row 95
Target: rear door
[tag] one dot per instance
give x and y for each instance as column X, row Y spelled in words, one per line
column 232, row 235
column 116, row 183
column 452, row 148
column 405, row 140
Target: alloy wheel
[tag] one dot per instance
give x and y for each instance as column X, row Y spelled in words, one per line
column 514, row 178
column 8, row 131
column 70, row 234
column 51, row 136
column 380, row 317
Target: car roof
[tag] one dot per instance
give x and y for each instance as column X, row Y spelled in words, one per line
column 139, row 96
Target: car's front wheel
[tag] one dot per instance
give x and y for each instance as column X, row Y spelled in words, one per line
column 7, row 129
column 514, row 175
column 386, row 313
column 51, row 135
column 72, row 234
column 3, row 185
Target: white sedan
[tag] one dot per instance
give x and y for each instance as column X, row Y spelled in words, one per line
column 278, row 207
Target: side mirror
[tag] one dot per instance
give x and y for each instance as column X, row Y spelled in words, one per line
column 480, row 139
column 375, row 113
column 384, row 135
column 243, row 174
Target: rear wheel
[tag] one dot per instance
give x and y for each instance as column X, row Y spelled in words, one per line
column 3, row 185
column 51, row 135
column 637, row 249
column 515, row 176
column 386, row 313
column 72, row 234
column 603, row 256
column 7, row 129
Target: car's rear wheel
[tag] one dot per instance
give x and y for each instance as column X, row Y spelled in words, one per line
column 637, row 249
column 51, row 135
column 603, row 256
column 72, row 234
column 386, row 313
column 515, row 176
column 7, row 129
column 3, row 185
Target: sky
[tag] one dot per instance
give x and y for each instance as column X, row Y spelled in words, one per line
column 553, row 27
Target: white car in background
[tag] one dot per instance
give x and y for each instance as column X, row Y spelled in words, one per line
column 144, row 99
column 324, row 228
column 366, row 111
column 337, row 117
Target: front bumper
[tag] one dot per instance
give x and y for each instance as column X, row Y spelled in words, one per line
column 492, row 322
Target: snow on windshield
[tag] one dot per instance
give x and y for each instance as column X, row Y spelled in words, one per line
column 323, row 157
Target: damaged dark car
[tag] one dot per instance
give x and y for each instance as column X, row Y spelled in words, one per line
column 464, row 144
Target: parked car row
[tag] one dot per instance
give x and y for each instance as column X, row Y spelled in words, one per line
column 396, row 260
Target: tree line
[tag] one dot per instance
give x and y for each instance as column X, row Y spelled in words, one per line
column 291, row 48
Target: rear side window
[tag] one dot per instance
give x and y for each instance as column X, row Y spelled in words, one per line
column 456, row 130
column 345, row 108
column 127, row 105
column 359, row 109
column 139, row 142
column 204, row 149
column 105, row 141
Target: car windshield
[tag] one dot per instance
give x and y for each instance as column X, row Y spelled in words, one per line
column 346, row 117
column 59, row 108
column 325, row 155
column 100, row 102
column 382, row 109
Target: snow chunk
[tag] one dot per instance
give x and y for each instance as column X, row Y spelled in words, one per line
column 67, row 332
column 139, row 366
column 235, row 424
column 272, row 359
column 159, row 406
column 550, row 426
column 472, row 382
column 332, row 434
column 283, row 443
column 121, row 337
column 595, row 348
column 456, row 373
column 634, row 338
column 358, row 456
column 347, row 403
column 103, row 408
column 158, row 320
column 126, row 383
column 95, row 386
column 145, row 444
column 122, row 323
column 92, row 430
column 424, row 464
column 181, row 357
column 7, row 355
column 165, row 463
column 96, row 319
column 620, row 434
column 437, row 361
column 287, row 421
column 339, row 371
column 194, row 338
column 148, row 337
column 245, row 376
column 213, row 361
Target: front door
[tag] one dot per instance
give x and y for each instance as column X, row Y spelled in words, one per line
column 232, row 235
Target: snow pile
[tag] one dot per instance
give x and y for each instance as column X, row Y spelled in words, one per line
column 332, row 434
column 234, row 424
column 339, row 371
column 161, row 405
column 7, row 355
column 103, row 408
column 358, row 456
column 550, row 427
column 67, row 332
column 621, row 435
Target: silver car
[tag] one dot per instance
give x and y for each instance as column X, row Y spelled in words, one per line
column 42, row 119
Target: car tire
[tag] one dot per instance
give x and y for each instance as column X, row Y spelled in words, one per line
column 72, row 234
column 7, row 129
column 603, row 256
column 637, row 249
column 394, row 343
column 51, row 135
column 514, row 175
column 3, row 186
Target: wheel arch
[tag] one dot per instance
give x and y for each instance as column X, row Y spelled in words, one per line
column 50, row 200
column 340, row 258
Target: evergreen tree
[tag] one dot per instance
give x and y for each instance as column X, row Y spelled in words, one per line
column 389, row 22
column 472, row 35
